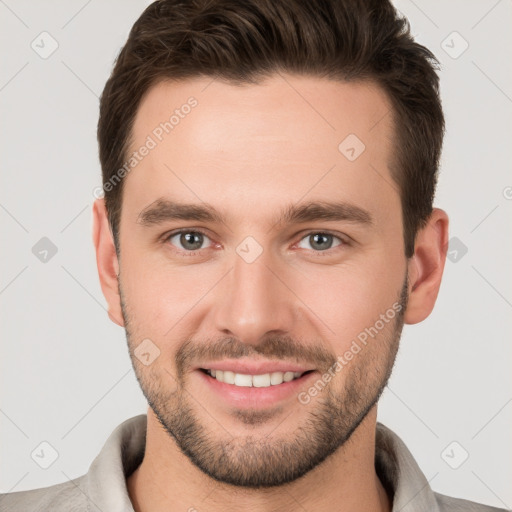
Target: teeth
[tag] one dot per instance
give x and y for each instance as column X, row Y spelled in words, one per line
column 276, row 378
column 261, row 381
column 258, row 381
column 243, row 380
column 288, row 376
column 228, row 377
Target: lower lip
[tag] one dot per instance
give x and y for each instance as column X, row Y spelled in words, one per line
column 251, row 397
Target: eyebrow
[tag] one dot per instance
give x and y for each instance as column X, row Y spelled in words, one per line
column 163, row 210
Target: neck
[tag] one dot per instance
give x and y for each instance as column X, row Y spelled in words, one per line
column 167, row 480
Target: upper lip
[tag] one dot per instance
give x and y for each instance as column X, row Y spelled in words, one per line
column 254, row 367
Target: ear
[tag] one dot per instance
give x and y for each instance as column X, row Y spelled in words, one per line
column 106, row 260
column 426, row 267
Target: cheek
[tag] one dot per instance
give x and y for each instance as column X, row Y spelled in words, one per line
column 164, row 301
column 154, row 287
column 346, row 300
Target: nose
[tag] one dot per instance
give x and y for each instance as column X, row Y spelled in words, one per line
column 255, row 300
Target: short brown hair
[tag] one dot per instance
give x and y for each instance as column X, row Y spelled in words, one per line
column 243, row 41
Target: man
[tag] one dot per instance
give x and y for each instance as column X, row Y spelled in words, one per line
column 236, row 138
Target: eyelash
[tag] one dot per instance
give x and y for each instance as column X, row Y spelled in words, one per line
column 172, row 234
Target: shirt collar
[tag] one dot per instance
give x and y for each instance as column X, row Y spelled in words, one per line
column 124, row 450
column 400, row 474
column 121, row 454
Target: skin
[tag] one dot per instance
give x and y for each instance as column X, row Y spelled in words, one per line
column 248, row 151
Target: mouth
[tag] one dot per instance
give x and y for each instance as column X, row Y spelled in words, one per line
column 262, row 380
column 252, row 383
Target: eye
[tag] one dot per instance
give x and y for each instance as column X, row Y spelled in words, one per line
column 192, row 240
column 188, row 240
column 321, row 241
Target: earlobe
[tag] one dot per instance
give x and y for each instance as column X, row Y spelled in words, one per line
column 106, row 261
column 426, row 267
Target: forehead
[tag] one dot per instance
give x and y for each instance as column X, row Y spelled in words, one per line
column 279, row 140
column 328, row 108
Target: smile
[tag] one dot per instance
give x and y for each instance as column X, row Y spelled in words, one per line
column 264, row 380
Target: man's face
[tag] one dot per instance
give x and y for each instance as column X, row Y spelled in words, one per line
column 259, row 293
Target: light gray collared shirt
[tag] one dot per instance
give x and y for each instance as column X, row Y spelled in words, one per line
column 103, row 487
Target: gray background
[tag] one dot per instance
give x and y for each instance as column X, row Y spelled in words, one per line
column 66, row 377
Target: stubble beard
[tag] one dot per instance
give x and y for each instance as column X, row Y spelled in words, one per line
column 257, row 461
